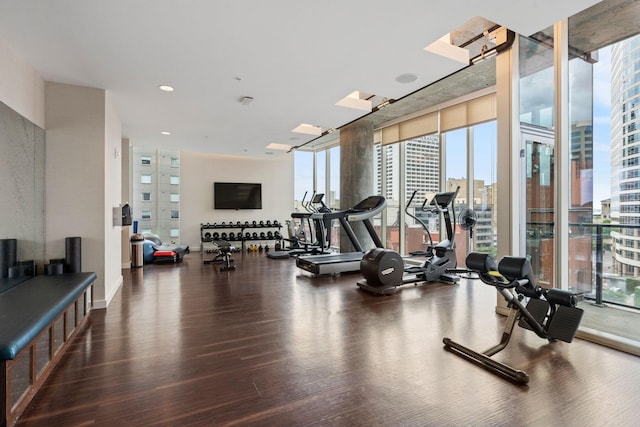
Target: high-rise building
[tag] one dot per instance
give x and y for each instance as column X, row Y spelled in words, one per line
column 625, row 154
column 156, row 192
column 421, row 167
column 422, row 159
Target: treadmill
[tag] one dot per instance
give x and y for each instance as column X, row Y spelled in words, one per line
column 347, row 261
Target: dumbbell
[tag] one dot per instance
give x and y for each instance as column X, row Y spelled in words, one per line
column 255, row 235
column 232, row 236
column 262, row 235
column 223, row 236
column 269, row 234
column 216, row 236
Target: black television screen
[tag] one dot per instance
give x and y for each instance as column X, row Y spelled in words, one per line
column 237, row 195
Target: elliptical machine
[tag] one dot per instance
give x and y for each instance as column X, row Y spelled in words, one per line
column 384, row 269
column 298, row 243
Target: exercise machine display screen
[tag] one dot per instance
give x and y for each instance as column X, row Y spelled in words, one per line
column 443, row 199
column 368, row 204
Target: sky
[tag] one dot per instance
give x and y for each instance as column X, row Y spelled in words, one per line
column 602, row 127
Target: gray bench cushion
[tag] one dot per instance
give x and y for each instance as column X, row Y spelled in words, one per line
column 27, row 309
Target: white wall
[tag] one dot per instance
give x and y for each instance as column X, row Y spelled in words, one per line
column 125, row 189
column 83, row 181
column 112, row 198
column 21, row 88
column 199, row 171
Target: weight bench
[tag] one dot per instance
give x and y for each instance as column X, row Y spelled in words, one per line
column 38, row 319
column 223, row 255
column 550, row 313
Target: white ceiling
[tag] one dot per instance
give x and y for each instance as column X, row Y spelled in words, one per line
column 296, row 58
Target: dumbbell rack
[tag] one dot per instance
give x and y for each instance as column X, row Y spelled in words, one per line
column 227, row 231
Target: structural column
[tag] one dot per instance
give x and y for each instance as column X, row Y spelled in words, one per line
column 356, row 174
column 509, row 215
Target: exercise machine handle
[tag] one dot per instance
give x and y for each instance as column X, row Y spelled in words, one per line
column 411, row 198
column 432, row 209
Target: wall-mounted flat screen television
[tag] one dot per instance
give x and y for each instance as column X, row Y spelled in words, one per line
column 237, row 195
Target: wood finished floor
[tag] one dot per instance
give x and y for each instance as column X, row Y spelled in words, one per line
column 269, row 345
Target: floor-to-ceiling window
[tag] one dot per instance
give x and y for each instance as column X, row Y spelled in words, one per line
column 604, row 191
column 422, row 176
column 580, row 164
column 419, row 161
column 156, row 190
column 303, row 188
column 483, row 236
column 537, row 98
column 317, row 172
column 333, row 199
column 455, row 159
column 391, row 175
column 321, row 173
column 428, row 162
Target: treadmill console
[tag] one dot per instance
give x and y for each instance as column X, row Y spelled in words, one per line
column 368, row 204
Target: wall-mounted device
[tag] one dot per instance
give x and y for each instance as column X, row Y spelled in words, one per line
column 122, row 215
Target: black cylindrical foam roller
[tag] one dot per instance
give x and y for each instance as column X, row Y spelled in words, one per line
column 73, row 255
column 53, row 269
column 8, row 251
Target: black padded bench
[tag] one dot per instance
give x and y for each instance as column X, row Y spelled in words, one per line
column 38, row 319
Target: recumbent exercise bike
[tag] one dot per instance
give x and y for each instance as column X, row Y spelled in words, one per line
column 550, row 313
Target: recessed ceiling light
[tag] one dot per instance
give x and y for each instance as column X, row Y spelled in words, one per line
column 308, row 129
column 276, row 146
column 166, row 88
column 444, row 47
column 164, row 132
column 406, row 78
column 357, row 100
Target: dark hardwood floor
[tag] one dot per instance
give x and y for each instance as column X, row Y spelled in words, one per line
column 269, row 345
